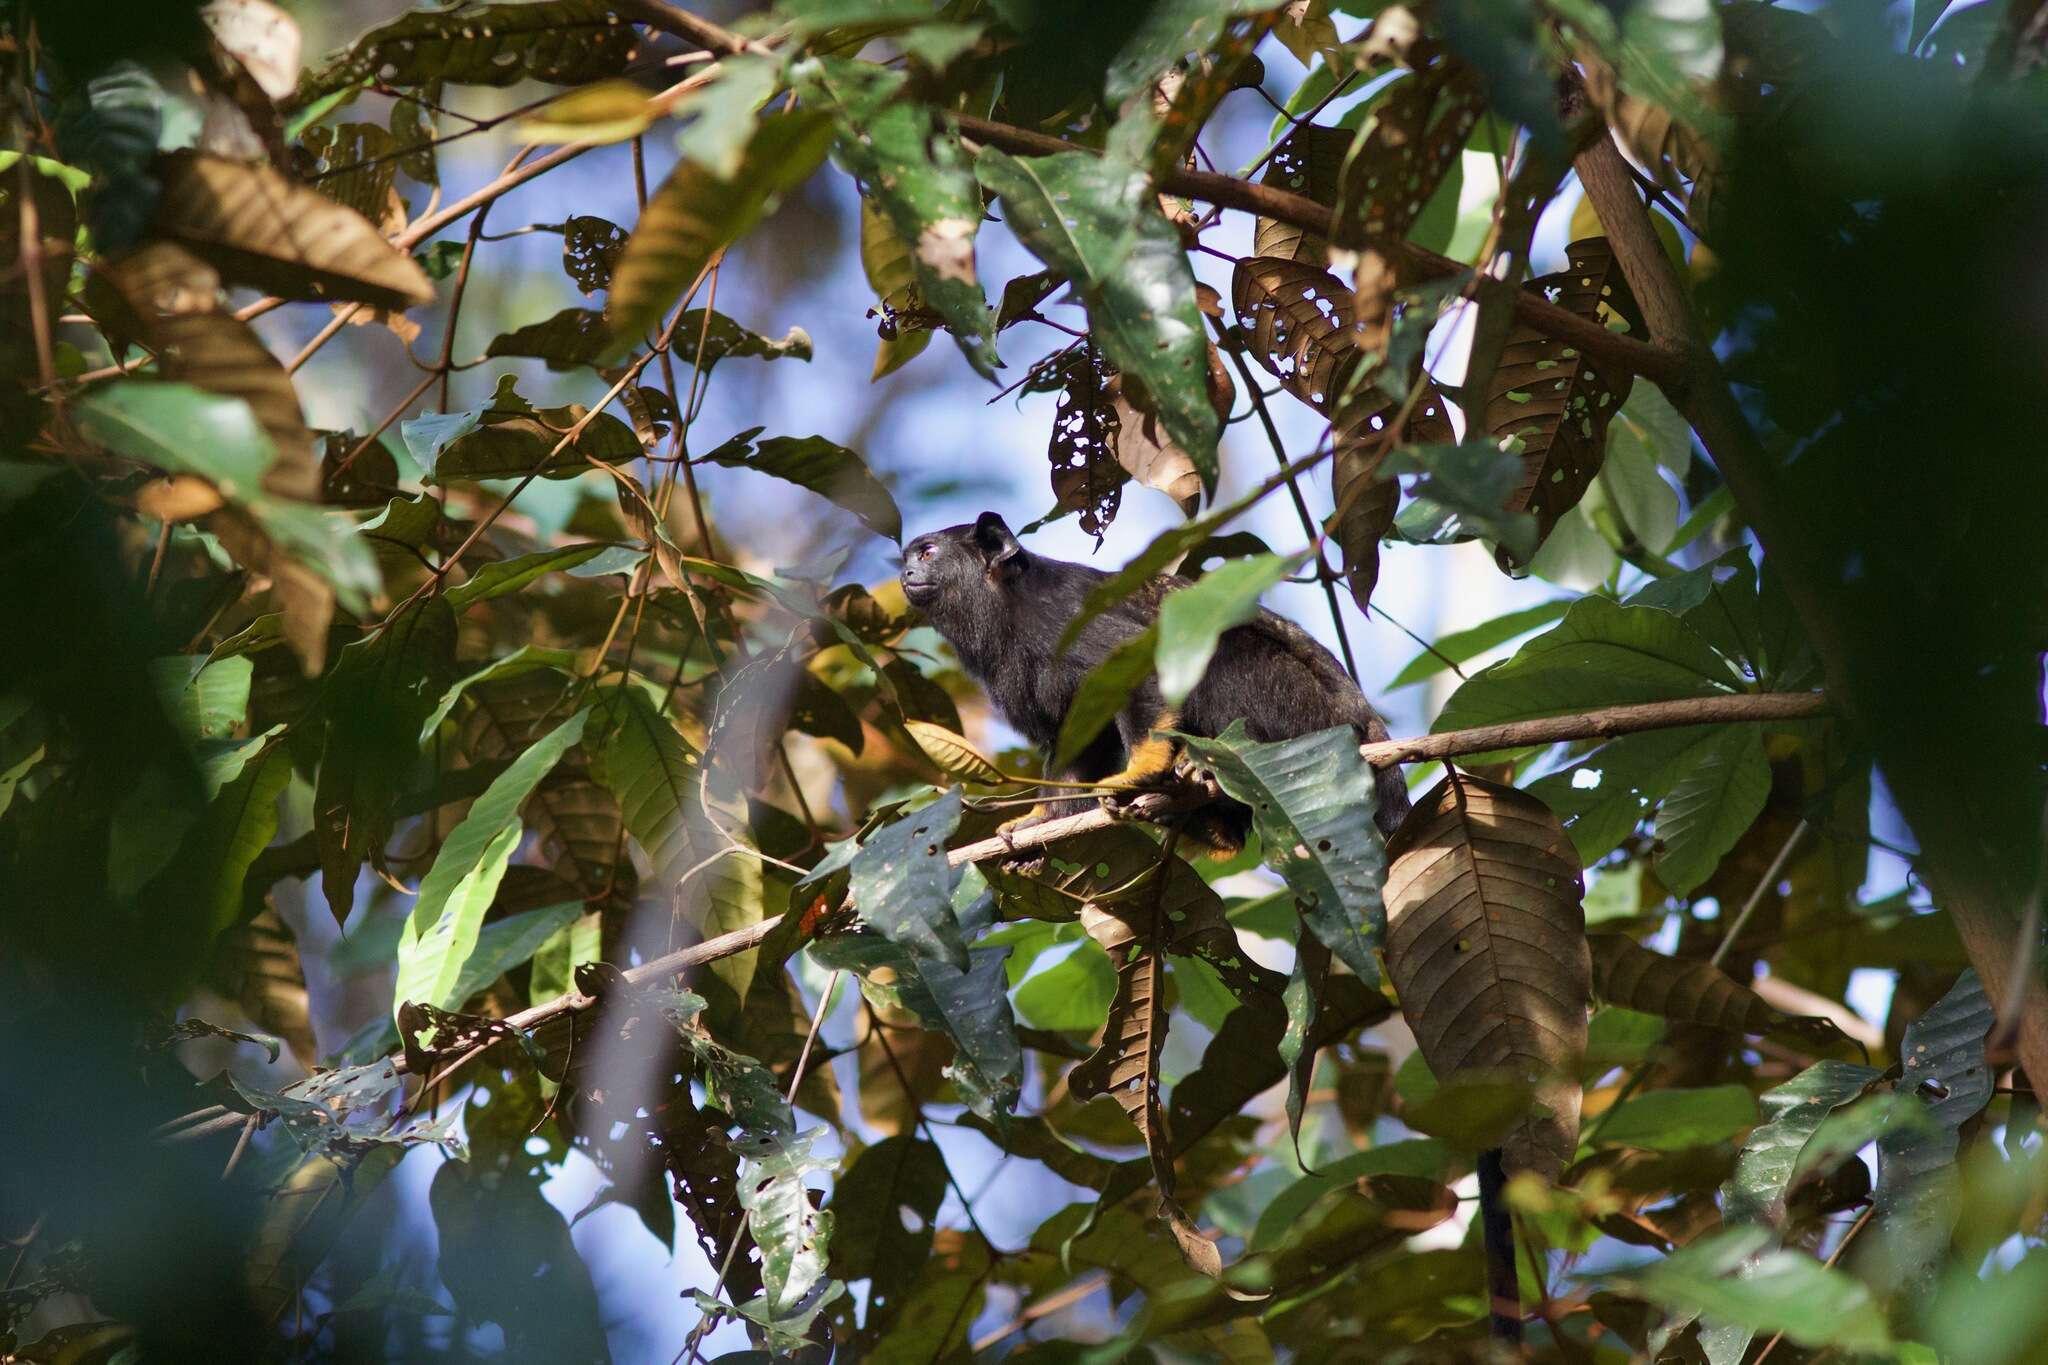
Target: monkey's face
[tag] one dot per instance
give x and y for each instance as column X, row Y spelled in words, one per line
column 960, row 561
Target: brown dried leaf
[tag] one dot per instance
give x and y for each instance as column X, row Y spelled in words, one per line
column 1552, row 397
column 1144, row 449
column 1300, row 322
column 1085, row 473
column 354, row 165
column 256, row 965
column 1690, row 991
column 260, row 229
column 1125, row 1064
column 1366, row 503
column 1486, row 946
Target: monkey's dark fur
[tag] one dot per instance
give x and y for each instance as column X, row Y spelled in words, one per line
column 1004, row 609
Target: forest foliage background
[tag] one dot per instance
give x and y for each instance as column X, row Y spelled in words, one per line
column 494, row 868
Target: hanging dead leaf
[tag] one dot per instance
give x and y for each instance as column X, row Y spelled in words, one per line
column 1125, row 1064
column 1690, row 991
column 1146, row 452
column 1486, row 946
column 354, row 164
column 1552, row 397
column 1365, row 502
column 260, row 229
column 1300, row 323
column 256, row 965
column 1086, row 423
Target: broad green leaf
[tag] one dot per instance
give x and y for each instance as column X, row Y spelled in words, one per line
column 239, row 824
column 1192, row 619
column 1169, row 31
column 525, row 659
column 510, row 575
column 379, row 694
column 822, row 466
column 1996, row 1317
column 510, row 942
column 1722, row 791
column 1601, row 654
column 1461, row 493
column 441, row 933
column 603, row 111
column 913, row 167
column 1422, row 1157
column 971, row 1008
column 555, row 962
column 1138, row 574
column 1312, row 801
column 903, row 886
column 1096, row 222
column 1672, row 1120
column 936, row 1317
column 1724, row 1280
column 720, row 116
column 1102, row 694
column 695, row 214
column 1460, row 645
column 205, row 700
column 408, row 523
column 1072, row 995
column 183, row 429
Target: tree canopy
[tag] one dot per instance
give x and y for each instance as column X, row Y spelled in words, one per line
column 485, row 841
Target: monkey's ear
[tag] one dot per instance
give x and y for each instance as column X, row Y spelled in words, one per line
column 995, row 540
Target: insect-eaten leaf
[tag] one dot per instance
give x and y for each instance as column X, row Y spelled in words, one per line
column 509, row 438
column 561, row 42
column 824, row 467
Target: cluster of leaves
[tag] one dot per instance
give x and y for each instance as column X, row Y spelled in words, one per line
column 522, row 761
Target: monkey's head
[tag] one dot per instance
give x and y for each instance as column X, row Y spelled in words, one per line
column 961, row 564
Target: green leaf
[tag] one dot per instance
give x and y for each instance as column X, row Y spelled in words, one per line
column 1167, row 32
column 1726, row 782
column 205, row 700
column 510, row 575
column 695, row 214
column 822, row 466
column 1779, row 1291
column 379, row 694
column 1312, row 801
column 971, row 1008
column 1946, row 1071
column 510, row 438
column 1793, row 1112
column 555, row 962
column 1421, row 1157
column 1601, row 654
column 525, row 659
column 183, row 429
column 1192, row 619
column 1102, row 694
column 1097, row 223
column 1461, row 645
column 404, row 522
column 720, row 116
column 1072, row 995
column 1672, row 1120
column 903, row 886
column 913, row 167
column 506, row 943
column 1461, row 493
column 441, row 933
column 239, row 824
column 883, row 1210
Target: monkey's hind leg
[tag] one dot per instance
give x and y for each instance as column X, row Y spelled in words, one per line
column 1151, row 758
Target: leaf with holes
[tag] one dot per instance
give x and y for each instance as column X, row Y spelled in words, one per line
column 590, row 251
column 694, row 215
column 258, row 228
column 1097, row 223
column 884, row 1209
column 903, row 886
column 1945, row 1070
column 824, row 467
column 561, row 42
column 906, row 326
column 971, row 1008
column 1486, row 945
column 1086, row 423
column 1125, row 1066
column 1552, row 397
column 913, row 168
column 793, row 1236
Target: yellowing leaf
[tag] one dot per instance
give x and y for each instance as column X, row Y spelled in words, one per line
column 609, row 111
column 954, row 756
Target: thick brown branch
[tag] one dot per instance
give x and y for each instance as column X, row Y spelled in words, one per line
column 1654, row 362
column 1600, row 724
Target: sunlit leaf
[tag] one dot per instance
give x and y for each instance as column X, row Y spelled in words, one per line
column 822, row 466
column 1192, row 619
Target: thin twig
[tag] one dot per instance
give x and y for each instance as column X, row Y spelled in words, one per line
column 1756, row 895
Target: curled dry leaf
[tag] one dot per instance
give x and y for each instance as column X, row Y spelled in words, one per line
column 260, row 229
column 1365, row 502
column 1688, row 990
column 953, row 755
column 1486, row 945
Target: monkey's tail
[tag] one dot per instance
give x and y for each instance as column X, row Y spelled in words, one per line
column 1390, row 785
column 1497, row 1235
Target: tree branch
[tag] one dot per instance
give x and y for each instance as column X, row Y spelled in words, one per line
column 1600, row 724
column 1655, row 362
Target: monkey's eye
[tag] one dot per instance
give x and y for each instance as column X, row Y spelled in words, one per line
column 927, row 552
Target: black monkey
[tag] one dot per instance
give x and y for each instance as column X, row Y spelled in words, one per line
column 1004, row 609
